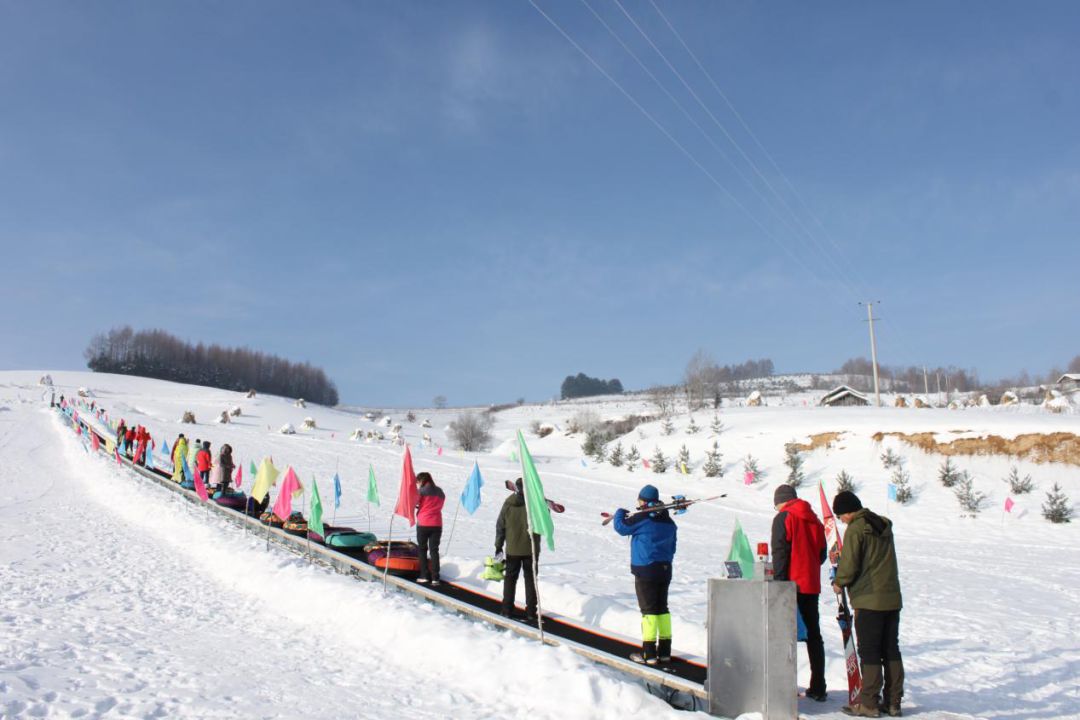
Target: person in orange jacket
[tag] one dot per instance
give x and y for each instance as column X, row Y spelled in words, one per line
column 203, row 462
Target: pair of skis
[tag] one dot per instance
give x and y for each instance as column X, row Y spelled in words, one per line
column 678, row 504
column 552, row 505
column 843, row 613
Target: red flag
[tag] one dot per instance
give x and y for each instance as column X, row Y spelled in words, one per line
column 116, row 454
column 94, row 442
column 291, row 484
column 1009, row 504
column 408, row 495
column 749, row 478
column 239, row 475
column 200, row 487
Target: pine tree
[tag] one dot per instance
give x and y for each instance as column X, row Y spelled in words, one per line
column 1057, row 508
column 1018, row 485
column 948, row 474
column 902, row 481
column 717, row 425
column 659, row 462
column 794, row 461
column 713, row 466
column 692, row 428
column 750, row 467
column 844, row 482
column 593, row 446
column 970, row 499
column 632, row 458
column 616, row 458
column 684, row 458
column 667, row 427
column 890, row 459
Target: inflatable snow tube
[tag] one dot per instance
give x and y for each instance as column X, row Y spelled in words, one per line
column 188, row 484
column 296, row 525
column 231, row 500
column 272, row 519
column 398, row 558
column 346, row 538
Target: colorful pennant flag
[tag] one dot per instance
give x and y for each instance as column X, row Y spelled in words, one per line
column 315, row 522
column 165, row 448
column 645, row 463
column 408, row 495
column 290, row 487
column 470, row 496
column 372, row 487
column 95, row 442
column 535, row 502
column 337, row 492
column 200, row 487
column 1009, row 504
column 892, row 492
column 252, row 470
column 748, row 479
column 740, row 551
column 265, row 477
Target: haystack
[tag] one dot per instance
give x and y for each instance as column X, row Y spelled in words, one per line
column 287, row 429
column 900, row 402
column 224, row 417
column 188, row 417
column 300, row 403
column 309, row 423
column 45, row 380
column 754, row 399
column 1009, row 398
column 920, row 403
column 236, row 411
column 251, row 393
column 426, row 423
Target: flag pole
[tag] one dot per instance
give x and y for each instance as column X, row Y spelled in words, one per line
column 454, row 525
column 389, row 544
column 535, row 562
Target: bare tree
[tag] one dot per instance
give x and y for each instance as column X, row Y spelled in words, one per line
column 700, row 379
column 471, row 431
column 439, row 402
column 663, row 398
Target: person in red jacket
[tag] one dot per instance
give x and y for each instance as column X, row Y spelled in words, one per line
column 798, row 550
column 429, row 527
column 129, row 442
column 203, row 462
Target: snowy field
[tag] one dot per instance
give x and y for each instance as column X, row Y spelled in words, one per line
column 119, row 599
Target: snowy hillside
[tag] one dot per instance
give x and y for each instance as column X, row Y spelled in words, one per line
column 118, row 596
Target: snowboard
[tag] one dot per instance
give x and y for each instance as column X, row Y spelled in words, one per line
column 843, row 613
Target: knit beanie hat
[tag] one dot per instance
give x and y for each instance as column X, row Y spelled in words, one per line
column 783, row 494
column 649, row 493
column 846, row 502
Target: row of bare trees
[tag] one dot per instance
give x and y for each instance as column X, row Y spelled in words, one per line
column 157, row 354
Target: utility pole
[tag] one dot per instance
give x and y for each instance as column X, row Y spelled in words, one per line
column 873, row 350
column 925, row 383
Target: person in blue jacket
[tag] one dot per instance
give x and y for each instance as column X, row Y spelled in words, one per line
column 652, row 550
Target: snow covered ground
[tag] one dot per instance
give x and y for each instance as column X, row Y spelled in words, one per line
column 120, row 598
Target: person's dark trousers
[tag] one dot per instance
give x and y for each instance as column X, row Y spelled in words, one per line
column 815, row 646
column 878, row 636
column 428, row 538
column 513, row 566
column 652, row 595
column 205, row 475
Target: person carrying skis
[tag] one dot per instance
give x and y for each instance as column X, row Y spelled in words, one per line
column 798, row 550
column 512, row 531
column 869, row 572
column 203, row 462
column 429, row 527
column 180, row 451
column 652, row 551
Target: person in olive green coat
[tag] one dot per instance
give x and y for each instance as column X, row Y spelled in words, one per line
column 512, row 531
column 869, row 573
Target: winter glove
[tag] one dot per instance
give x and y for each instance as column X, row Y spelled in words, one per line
column 498, row 556
column 621, row 513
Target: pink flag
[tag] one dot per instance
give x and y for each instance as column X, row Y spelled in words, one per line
column 645, row 463
column 440, row 452
column 116, row 454
column 749, row 479
column 408, row 495
column 94, row 442
column 1009, row 504
column 200, row 487
column 291, row 484
column 239, row 479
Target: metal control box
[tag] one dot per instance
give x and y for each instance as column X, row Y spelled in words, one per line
column 752, row 646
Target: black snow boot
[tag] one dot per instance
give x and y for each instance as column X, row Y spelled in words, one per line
column 647, row 656
column 894, row 686
column 663, row 650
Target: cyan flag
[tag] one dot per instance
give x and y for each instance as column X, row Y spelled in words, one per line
column 337, row 491
column 892, row 492
column 470, row 496
column 187, row 470
column 165, row 449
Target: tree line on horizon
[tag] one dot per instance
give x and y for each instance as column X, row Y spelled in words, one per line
column 162, row 356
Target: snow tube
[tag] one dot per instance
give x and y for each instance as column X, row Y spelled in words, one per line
column 399, row 558
column 231, row 500
column 269, row 517
column 296, row 525
column 349, row 540
column 188, row 484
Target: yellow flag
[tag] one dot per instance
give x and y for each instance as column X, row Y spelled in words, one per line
column 264, row 480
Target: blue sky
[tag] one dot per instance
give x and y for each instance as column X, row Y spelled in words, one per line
column 448, row 198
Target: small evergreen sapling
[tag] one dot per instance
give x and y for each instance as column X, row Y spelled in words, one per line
column 1018, row 485
column 890, row 459
column 616, row 458
column 667, row 427
column 844, row 482
column 794, row 461
column 593, row 446
column 659, row 462
column 692, row 428
column 713, row 466
column 902, row 481
column 632, row 458
column 948, row 474
column 750, row 467
column 1057, row 508
column 970, row 499
column 684, row 459
column 717, row 425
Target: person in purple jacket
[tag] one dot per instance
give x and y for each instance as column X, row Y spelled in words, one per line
column 429, row 527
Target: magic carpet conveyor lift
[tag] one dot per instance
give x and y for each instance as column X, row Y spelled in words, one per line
column 680, row 677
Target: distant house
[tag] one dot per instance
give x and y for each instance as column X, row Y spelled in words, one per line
column 844, row 396
column 1069, row 382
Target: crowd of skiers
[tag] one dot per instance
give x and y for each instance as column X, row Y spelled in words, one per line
column 866, row 567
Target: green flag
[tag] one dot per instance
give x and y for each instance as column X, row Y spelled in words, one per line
column 535, row 502
column 740, row 551
column 254, row 470
column 372, row 488
column 315, row 517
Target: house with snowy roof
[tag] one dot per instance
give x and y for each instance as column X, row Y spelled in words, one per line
column 844, row 396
